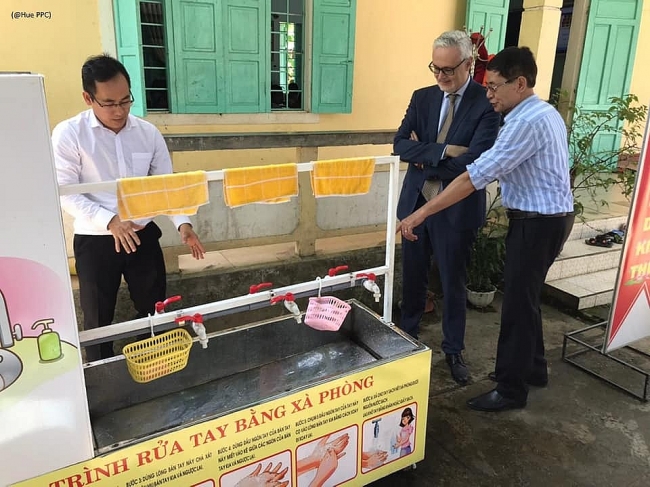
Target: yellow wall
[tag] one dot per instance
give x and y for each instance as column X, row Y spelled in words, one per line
column 55, row 48
column 393, row 48
column 640, row 85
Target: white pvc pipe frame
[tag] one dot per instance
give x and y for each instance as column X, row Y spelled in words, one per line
column 387, row 270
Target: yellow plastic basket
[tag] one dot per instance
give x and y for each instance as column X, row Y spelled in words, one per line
column 158, row 356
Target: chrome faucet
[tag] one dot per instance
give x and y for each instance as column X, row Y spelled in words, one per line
column 10, row 365
column 7, row 334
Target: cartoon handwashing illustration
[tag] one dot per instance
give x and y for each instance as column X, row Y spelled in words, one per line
column 12, row 362
column 404, row 437
column 49, row 342
column 10, row 365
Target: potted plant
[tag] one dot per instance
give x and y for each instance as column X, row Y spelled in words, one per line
column 596, row 167
column 487, row 257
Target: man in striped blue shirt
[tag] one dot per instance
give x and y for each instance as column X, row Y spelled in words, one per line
column 530, row 159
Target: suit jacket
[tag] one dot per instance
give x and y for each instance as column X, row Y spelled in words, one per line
column 475, row 125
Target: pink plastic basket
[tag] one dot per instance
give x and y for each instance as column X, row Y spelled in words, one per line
column 326, row 313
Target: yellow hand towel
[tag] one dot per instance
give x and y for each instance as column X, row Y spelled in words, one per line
column 274, row 183
column 166, row 194
column 342, row 177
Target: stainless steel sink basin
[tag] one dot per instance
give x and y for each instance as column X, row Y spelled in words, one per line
column 10, row 368
column 241, row 367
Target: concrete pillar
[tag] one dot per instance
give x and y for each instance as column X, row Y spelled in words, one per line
column 574, row 55
column 540, row 23
column 305, row 233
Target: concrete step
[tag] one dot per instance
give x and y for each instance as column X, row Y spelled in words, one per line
column 583, row 291
column 591, row 228
column 579, row 258
column 584, row 276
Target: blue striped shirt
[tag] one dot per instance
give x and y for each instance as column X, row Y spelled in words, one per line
column 530, row 159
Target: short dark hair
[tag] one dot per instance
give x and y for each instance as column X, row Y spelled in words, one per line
column 407, row 412
column 513, row 62
column 99, row 69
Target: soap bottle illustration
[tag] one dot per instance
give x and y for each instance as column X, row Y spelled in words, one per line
column 49, row 342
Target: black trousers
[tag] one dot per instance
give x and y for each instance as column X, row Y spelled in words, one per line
column 531, row 247
column 100, row 270
column 451, row 249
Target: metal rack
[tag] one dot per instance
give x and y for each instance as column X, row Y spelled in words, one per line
column 166, row 320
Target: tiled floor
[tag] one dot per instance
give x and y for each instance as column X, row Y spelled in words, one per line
column 587, row 272
column 594, row 214
column 276, row 253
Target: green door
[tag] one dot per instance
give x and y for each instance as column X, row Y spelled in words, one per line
column 219, row 56
column 129, row 47
column 489, row 14
column 333, row 56
column 608, row 59
column 247, row 56
column 196, row 55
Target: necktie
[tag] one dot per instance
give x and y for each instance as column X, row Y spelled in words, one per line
column 433, row 187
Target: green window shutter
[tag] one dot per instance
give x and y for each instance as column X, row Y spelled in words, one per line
column 489, row 14
column 197, row 76
column 247, row 55
column 129, row 49
column 219, row 56
column 608, row 60
column 333, row 56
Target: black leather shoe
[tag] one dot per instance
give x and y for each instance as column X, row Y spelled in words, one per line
column 494, row 402
column 531, row 381
column 458, row 368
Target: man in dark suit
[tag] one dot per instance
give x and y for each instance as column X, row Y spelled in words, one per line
column 446, row 127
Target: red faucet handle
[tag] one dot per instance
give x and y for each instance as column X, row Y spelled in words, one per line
column 335, row 270
column 258, row 287
column 198, row 318
column 183, row 319
column 370, row 276
column 160, row 305
column 283, row 297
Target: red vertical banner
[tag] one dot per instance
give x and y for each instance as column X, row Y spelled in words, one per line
column 630, row 315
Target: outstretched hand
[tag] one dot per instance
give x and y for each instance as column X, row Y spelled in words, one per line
column 370, row 460
column 455, row 150
column 191, row 239
column 406, row 226
column 270, row 477
column 326, row 468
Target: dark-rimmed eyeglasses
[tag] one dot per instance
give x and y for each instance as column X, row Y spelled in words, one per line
column 446, row 71
column 122, row 104
column 493, row 88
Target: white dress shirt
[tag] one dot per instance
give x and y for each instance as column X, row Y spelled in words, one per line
column 87, row 152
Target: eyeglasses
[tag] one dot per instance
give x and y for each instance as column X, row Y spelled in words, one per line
column 446, row 71
column 122, row 104
column 493, row 88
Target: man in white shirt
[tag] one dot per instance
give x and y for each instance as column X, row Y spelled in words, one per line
column 105, row 143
